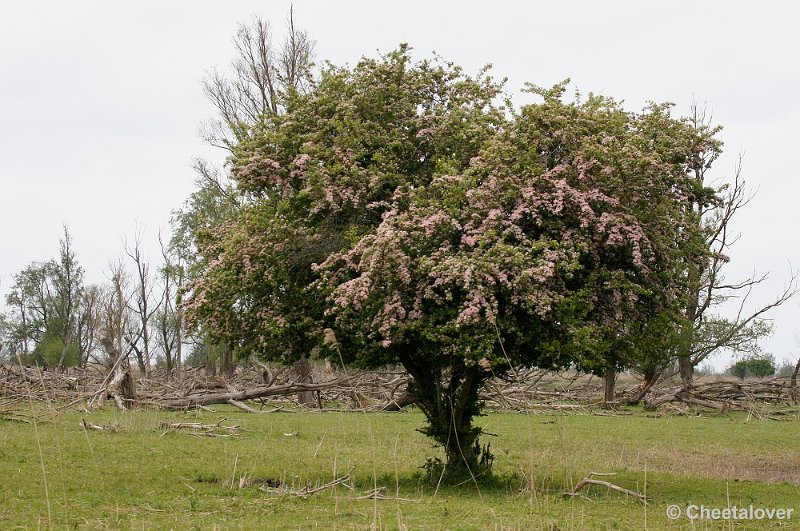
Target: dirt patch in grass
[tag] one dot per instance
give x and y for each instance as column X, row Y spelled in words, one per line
column 757, row 470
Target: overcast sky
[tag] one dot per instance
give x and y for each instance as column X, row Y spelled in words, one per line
column 100, row 102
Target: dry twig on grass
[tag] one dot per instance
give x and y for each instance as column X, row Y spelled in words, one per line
column 377, row 494
column 306, row 491
column 13, row 416
column 588, row 480
column 86, row 425
column 8, row 410
column 196, row 428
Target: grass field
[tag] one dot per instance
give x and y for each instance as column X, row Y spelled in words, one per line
column 57, row 474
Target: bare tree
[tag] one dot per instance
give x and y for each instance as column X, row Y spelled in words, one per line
column 705, row 332
column 296, row 59
column 169, row 317
column 6, row 343
column 115, row 313
column 263, row 75
column 28, row 307
column 262, row 78
column 143, row 307
column 89, row 323
column 117, row 322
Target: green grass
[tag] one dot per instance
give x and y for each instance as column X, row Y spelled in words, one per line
column 55, row 473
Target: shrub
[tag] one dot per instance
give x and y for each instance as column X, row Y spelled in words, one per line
column 759, row 367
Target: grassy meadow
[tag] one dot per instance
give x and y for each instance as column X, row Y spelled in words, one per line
column 57, row 474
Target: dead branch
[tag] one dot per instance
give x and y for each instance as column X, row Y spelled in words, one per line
column 306, row 491
column 86, row 425
column 247, row 409
column 377, row 494
column 211, row 430
column 588, row 480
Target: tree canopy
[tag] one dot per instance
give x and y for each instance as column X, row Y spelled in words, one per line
column 405, row 212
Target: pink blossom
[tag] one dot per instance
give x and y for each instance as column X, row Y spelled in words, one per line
column 469, row 240
column 301, row 160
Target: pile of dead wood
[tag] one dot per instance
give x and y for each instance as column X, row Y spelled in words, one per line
column 727, row 395
column 252, row 388
column 261, row 388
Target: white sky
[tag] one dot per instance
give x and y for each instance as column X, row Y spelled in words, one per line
column 100, row 101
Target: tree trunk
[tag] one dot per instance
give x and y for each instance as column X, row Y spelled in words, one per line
column 686, row 371
column 450, row 405
column 793, row 385
column 205, row 399
column 66, row 341
column 211, row 367
column 461, row 447
column 61, row 367
column 227, row 362
column 649, row 379
column 146, row 350
column 303, row 369
column 141, row 362
column 399, row 403
column 178, row 339
column 609, row 385
column 686, row 344
column 122, row 387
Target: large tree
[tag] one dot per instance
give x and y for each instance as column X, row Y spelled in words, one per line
column 398, row 214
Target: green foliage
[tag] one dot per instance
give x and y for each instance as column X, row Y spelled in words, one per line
column 49, row 351
column 758, row 367
column 761, row 367
column 739, row 369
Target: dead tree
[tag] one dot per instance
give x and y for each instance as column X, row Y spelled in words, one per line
column 262, row 76
column 704, row 332
column 143, row 306
column 168, row 319
column 120, row 386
